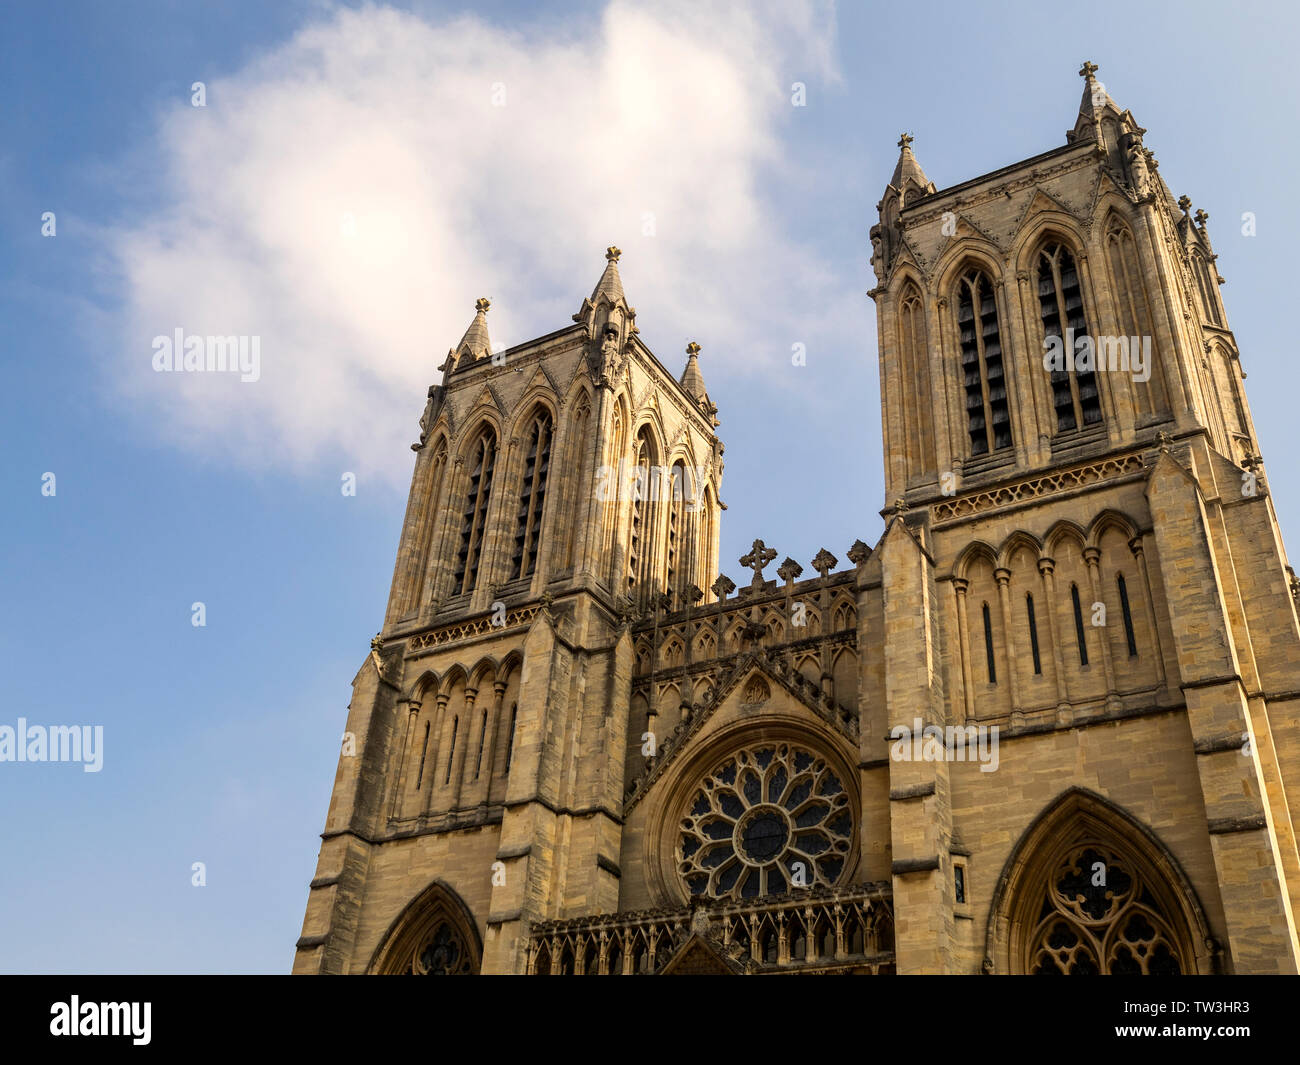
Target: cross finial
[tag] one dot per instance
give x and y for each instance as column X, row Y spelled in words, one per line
column 1202, row 217
column 1184, row 203
column 1088, row 69
column 612, row 253
column 692, row 348
column 482, row 304
column 759, row 556
column 905, row 140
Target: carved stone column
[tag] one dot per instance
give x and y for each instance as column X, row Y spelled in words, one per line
column 495, row 721
column 1092, row 556
column 458, row 757
column 1047, row 570
column 403, row 757
column 959, row 586
column 431, row 759
column 1003, row 577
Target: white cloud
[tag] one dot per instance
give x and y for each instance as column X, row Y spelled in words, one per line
column 348, row 196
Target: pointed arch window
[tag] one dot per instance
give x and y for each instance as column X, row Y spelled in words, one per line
column 988, row 645
column 1133, row 308
column 424, row 750
column 482, row 457
column 435, row 936
column 580, row 460
column 429, row 515
column 680, row 530
column 1122, row 587
column 614, row 493
column 988, row 417
column 510, row 736
column 532, row 496
column 1078, row 624
column 1206, row 284
column 451, row 748
column 1075, row 396
column 645, row 491
column 1033, row 633
column 917, row 417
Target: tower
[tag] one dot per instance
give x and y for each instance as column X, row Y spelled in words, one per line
column 1077, row 504
column 1049, row 723
column 559, row 487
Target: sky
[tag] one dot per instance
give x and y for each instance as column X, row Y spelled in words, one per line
column 356, row 176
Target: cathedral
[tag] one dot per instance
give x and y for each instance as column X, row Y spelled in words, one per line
column 1048, row 723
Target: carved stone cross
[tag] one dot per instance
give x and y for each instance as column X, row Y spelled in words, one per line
column 905, row 140
column 759, row 556
column 1088, row 69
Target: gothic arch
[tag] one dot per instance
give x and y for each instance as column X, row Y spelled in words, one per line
column 1060, row 532
column 1043, row 228
column 483, row 673
column 974, row 550
column 649, row 422
column 1013, row 543
column 449, row 679
column 538, row 398
column 512, row 662
column 435, row 934
column 1110, row 519
column 425, row 683
column 488, row 420
column 1050, row 915
column 963, row 254
column 905, row 274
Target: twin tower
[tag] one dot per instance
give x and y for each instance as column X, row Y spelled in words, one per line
column 1049, row 723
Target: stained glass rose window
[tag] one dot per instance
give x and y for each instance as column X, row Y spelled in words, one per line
column 767, row 819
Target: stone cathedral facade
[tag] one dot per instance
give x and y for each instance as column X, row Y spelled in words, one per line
column 1048, row 723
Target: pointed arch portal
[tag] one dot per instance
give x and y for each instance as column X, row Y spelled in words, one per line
column 435, row 935
column 1090, row 891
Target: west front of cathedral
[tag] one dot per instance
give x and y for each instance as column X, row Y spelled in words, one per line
column 1048, row 723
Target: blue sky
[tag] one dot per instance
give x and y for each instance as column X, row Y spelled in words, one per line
column 221, row 741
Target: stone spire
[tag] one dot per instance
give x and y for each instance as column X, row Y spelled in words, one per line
column 908, row 169
column 1094, row 103
column 610, row 284
column 908, row 185
column 693, row 382
column 609, row 320
column 474, row 345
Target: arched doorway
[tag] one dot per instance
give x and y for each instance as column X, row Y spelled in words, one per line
column 434, row 936
column 1091, row 891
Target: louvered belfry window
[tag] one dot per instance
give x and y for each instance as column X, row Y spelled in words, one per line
column 532, row 497
column 988, row 418
column 1060, row 297
column 470, row 554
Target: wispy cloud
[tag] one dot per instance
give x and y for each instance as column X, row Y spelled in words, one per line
column 347, row 197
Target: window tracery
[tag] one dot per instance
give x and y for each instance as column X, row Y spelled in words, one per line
column 1098, row 916
column 766, row 819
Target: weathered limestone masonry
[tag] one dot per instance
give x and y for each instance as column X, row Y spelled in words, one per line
column 1050, row 723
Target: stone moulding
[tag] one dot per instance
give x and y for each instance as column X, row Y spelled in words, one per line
column 1032, row 488
column 463, row 630
column 645, row 940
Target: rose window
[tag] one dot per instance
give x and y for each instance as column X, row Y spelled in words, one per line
column 766, row 820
